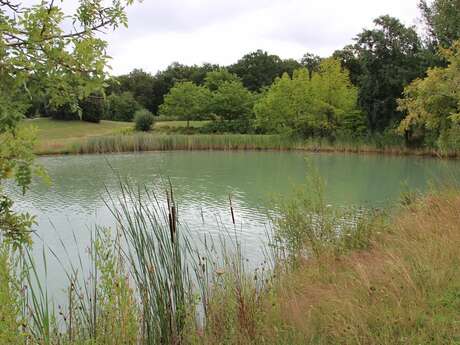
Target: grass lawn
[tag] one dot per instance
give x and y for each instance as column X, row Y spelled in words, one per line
column 49, row 129
column 55, row 136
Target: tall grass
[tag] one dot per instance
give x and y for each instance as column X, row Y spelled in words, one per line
column 356, row 280
column 403, row 288
column 139, row 142
column 157, row 252
column 149, row 142
column 306, row 226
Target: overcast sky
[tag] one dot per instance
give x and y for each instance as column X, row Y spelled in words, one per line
column 221, row 31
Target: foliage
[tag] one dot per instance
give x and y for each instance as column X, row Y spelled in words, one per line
column 93, row 107
column 243, row 125
column 105, row 311
column 157, row 254
column 232, row 102
column 65, row 112
column 258, row 69
column 308, row 227
column 144, row 120
column 290, row 65
column 442, row 18
column 350, row 61
column 121, row 107
column 215, row 79
column 138, row 82
column 17, row 163
column 10, row 302
column 38, row 57
column 149, row 90
column 187, row 101
column 311, row 62
column 433, row 103
column 308, row 107
column 390, row 56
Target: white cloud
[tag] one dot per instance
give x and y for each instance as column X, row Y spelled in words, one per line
column 221, row 31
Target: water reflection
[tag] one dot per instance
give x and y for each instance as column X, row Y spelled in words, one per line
column 202, row 182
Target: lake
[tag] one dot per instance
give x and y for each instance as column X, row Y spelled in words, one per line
column 202, row 182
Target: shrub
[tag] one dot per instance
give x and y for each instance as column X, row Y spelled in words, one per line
column 65, row 112
column 243, row 126
column 449, row 140
column 121, row 107
column 93, row 108
column 144, row 120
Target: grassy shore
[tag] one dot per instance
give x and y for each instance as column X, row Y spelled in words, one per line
column 76, row 137
column 381, row 280
column 142, row 142
column 403, row 289
column 60, row 137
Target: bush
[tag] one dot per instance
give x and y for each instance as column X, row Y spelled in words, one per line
column 144, row 120
column 449, row 140
column 65, row 112
column 242, row 126
column 93, row 108
column 121, row 107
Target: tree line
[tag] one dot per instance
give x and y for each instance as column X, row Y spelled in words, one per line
column 363, row 90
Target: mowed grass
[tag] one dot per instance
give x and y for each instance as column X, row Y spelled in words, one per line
column 58, row 136
column 54, row 136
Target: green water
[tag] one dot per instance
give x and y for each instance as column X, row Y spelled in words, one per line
column 202, row 183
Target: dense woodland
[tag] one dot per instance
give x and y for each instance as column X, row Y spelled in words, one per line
column 376, row 88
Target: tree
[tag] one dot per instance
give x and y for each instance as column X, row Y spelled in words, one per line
column 38, row 57
column 285, row 104
column 442, row 19
column 258, row 69
column 215, row 79
column 163, row 81
column 433, row 103
column 289, row 66
column 121, row 107
column 390, row 57
column 311, row 62
column 187, row 101
column 65, row 112
column 332, row 87
column 141, row 84
column 93, row 107
column 306, row 106
column 349, row 59
column 232, row 102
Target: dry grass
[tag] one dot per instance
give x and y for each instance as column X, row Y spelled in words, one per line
column 404, row 290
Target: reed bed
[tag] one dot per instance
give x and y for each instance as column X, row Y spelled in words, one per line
column 151, row 142
column 140, row 142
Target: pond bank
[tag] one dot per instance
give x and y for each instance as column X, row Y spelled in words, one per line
column 397, row 282
column 141, row 142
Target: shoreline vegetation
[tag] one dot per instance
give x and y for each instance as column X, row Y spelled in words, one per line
column 56, row 137
column 332, row 275
column 146, row 142
column 382, row 279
